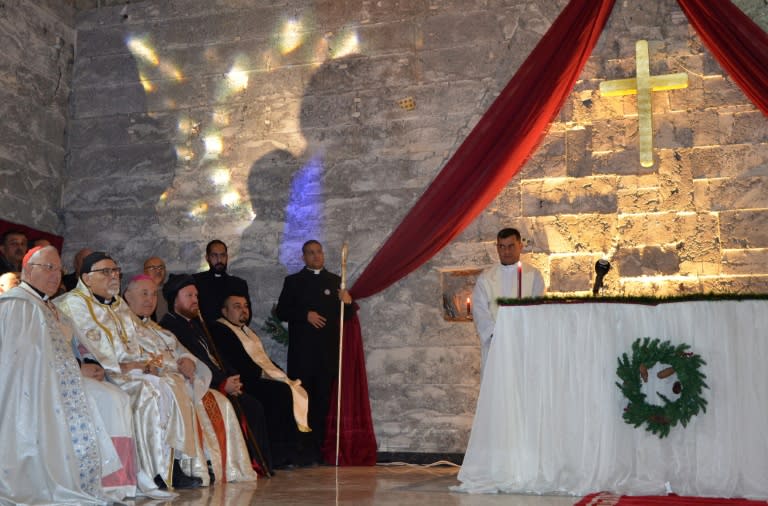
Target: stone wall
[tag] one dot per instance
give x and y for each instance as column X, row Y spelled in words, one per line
column 37, row 40
column 264, row 125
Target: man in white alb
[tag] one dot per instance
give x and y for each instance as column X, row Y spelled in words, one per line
column 511, row 278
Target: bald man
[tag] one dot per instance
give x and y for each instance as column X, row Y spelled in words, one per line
column 224, row 443
column 154, row 267
column 70, row 280
column 8, row 281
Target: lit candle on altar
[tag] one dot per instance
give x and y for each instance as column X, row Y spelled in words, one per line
column 469, row 306
column 519, row 279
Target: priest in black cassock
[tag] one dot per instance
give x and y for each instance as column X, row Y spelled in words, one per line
column 309, row 302
column 215, row 284
column 284, row 400
column 182, row 319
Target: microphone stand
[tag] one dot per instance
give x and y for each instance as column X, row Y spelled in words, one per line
column 602, row 267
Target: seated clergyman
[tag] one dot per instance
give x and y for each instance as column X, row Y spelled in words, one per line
column 285, row 400
column 76, row 446
column 184, row 321
column 224, row 443
column 163, row 414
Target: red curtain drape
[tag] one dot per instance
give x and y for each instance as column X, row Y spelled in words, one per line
column 738, row 44
column 491, row 155
column 358, row 442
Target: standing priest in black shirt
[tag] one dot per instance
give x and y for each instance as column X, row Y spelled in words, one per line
column 214, row 285
column 309, row 302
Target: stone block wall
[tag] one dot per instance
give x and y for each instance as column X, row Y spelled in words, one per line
column 265, row 124
column 37, row 40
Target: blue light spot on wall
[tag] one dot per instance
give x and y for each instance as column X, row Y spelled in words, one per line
column 303, row 214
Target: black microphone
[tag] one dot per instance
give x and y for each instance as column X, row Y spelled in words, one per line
column 602, row 267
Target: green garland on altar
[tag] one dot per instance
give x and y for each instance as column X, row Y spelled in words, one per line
column 630, row 299
column 633, row 371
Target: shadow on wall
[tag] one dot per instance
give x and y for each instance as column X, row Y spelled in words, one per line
column 329, row 190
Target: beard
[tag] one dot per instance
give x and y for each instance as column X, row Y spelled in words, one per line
column 188, row 313
column 219, row 268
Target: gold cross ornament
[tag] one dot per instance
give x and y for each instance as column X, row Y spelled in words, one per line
column 642, row 86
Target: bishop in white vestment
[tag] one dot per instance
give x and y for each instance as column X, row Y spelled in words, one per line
column 163, row 414
column 223, row 439
column 53, row 452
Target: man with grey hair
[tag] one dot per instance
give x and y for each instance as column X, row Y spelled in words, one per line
column 57, row 457
column 154, row 267
column 162, row 414
column 224, row 444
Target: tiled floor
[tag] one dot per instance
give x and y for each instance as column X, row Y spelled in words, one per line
column 379, row 485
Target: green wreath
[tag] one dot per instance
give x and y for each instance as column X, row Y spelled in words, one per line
column 633, row 371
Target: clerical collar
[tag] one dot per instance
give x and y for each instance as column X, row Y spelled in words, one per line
column 215, row 275
column 41, row 294
column 103, row 300
column 314, row 271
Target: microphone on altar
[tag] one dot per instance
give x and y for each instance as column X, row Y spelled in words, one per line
column 602, row 267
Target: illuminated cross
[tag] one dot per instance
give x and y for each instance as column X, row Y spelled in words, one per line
column 642, row 86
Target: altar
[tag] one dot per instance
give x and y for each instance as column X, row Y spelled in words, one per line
column 549, row 413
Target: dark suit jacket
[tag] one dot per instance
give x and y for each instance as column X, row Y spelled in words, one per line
column 310, row 350
column 212, row 290
column 233, row 352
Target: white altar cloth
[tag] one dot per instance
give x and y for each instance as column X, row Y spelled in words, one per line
column 548, row 416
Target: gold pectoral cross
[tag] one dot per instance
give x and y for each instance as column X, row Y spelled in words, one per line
column 642, row 86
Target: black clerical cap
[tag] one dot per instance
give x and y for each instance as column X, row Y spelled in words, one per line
column 96, row 256
column 175, row 283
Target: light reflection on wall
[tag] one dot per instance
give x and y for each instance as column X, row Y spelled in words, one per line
column 149, row 64
column 349, row 44
column 213, row 146
column 230, row 199
column 291, row 37
column 304, row 212
column 201, row 144
column 220, row 177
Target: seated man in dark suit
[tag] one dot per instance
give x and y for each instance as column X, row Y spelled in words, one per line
column 285, row 401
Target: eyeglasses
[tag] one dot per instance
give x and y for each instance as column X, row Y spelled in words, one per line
column 47, row 267
column 108, row 271
column 154, row 268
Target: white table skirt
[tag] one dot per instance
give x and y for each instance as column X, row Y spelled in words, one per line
column 548, row 417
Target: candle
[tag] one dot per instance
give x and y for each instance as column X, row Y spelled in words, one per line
column 469, row 306
column 519, row 280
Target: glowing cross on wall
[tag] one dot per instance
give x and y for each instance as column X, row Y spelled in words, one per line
column 643, row 85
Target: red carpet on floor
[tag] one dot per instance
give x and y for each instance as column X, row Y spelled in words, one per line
column 606, row 499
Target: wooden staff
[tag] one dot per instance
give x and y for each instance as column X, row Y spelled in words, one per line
column 248, row 432
column 344, row 252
